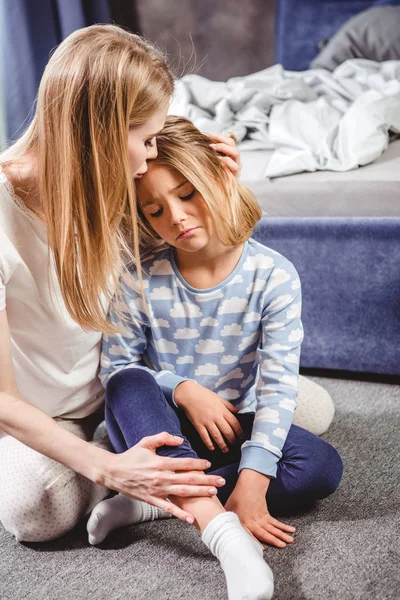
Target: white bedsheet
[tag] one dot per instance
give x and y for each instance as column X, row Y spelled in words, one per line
column 371, row 191
column 312, row 120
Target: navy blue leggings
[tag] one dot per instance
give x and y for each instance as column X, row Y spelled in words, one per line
column 310, row 468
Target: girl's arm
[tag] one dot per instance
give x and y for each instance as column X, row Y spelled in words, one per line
column 276, row 393
column 138, row 473
column 127, row 348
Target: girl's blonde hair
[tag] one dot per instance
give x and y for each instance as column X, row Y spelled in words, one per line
column 100, row 81
column 233, row 207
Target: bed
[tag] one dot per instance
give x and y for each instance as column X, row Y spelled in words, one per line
column 342, row 232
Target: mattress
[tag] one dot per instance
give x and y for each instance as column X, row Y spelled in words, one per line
column 370, row 191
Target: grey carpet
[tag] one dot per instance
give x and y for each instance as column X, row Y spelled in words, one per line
column 346, row 548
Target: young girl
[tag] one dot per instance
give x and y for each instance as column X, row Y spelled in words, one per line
column 67, row 223
column 213, row 347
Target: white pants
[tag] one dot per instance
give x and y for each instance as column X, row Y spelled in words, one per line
column 41, row 499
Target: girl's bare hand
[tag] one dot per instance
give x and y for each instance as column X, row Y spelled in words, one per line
column 140, row 473
column 212, row 415
column 252, row 510
column 231, row 154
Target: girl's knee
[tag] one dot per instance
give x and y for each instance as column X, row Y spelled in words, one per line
column 131, row 385
column 315, row 473
column 324, row 471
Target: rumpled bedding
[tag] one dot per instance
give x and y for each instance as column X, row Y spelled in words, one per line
column 313, row 120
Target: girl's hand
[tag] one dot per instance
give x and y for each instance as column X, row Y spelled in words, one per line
column 140, row 473
column 227, row 146
column 212, row 416
column 248, row 502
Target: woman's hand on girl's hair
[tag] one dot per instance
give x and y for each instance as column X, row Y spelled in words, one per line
column 140, row 473
column 211, row 415
column 226, row 145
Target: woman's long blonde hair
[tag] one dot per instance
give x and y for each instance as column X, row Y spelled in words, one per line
column 100, row 81
column 233, row 207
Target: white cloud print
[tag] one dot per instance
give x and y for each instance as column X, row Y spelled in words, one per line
column 289, row 381
column 229, row 394
column 258, row 261
column 249, row 340
column 167, row 367
column 117, row 350
column 124, row 330
column 185, row 309
column 185, row 360
column 278, row 277
column 209, row 347
column 263, row 440
column 162, row 293
column 277, row 347
column 280, row 302
column 160, row 323
column 210, row 296
column 252, row 316
column 236, row 279
column 287, row 404
column 267, row 415
column 164, row 346
column 235, row 374
column 233, row 305
column 228, row 359
column 161, row 267
column 270, row 364
column 234, row 329
column 208, row 322
column 247, row 358
column 274, row 326
column 186, row 334
column 291, row 358
column 256, row 286
column 280, row 433
column 296, row 284
column 294, row 311
column 207, row 369
column 296, row 335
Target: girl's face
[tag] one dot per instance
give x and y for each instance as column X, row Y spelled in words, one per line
column 175, row 209
column 142, row 144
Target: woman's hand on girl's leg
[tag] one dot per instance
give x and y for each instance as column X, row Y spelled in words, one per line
column 140, row 473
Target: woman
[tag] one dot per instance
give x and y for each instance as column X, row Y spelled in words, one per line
column 67, row 221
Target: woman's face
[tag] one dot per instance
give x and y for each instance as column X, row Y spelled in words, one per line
column 175, row 209
column 142, row 143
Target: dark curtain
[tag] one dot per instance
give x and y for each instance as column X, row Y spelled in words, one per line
column 30, row 29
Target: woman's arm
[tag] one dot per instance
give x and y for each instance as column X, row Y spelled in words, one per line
column 139, row 472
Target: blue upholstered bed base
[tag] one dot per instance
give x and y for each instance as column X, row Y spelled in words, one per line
column 350, row 272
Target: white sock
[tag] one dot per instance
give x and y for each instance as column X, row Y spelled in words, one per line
column 315, row 408
column 117, row 512
column 247, row 575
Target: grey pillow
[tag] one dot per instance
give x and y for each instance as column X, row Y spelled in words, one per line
column 373, row 34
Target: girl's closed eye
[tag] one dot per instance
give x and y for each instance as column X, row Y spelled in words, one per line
column 188, row 196
column 149, row 143
column 157, row 213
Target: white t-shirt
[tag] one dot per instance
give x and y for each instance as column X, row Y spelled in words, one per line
column 55, row 360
